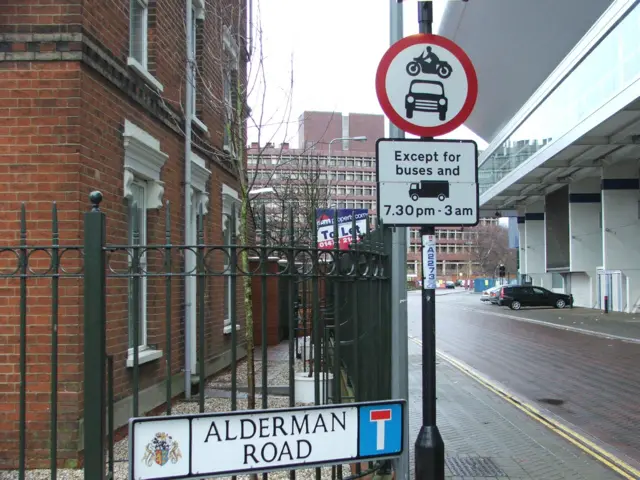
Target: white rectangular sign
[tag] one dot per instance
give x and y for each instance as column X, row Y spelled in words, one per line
column 207, row 445
column 429, row 262
column 427, row 182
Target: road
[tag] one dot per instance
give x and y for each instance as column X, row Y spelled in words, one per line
column 590, row 383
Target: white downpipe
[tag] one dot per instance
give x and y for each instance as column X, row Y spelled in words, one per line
column 189, row 260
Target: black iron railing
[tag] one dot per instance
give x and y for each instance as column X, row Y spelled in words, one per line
column 333, row 307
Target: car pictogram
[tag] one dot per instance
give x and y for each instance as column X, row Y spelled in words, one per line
column 426, row 96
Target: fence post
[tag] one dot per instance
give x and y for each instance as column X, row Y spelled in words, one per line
column 94, row 340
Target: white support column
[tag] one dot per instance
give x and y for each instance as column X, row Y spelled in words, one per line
column 521, row 245
column 620, row 233
column 535, row 247
column 585, row 240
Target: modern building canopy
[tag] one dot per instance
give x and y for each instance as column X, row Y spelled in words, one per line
column 563, row 116
column 559, row 104
column 515, row 45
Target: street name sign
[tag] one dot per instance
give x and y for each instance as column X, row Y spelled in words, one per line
column 426, row 85
column 234, row 443
column 427, row 182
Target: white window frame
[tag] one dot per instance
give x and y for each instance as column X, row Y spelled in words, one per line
column 200, row 177
column 142, row 240
column 141, row 67
column 143, row 162
column 230, row 198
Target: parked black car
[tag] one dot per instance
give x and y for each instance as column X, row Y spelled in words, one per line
column 518, row 296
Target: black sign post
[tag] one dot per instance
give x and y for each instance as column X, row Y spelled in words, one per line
column 429, row 444
column 420, row 86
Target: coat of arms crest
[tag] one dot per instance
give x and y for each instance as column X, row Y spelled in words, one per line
column 162, row 449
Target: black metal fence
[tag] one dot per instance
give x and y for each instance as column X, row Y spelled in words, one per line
column 70, row 390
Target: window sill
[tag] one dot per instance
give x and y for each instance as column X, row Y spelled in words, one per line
column 144, row 73
column 144, row 356
column 198, row 123
column 227, row 329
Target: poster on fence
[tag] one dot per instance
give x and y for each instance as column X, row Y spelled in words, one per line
column 326, row 231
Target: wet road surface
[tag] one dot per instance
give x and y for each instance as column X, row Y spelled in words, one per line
column 590, row 383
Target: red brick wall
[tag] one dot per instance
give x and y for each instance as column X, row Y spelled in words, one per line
column 321, row 127
column 371, row 126
column 61, row 125
column 102, row 152
column 102, row 158
column 39, row 164
column 272, row 303
column 325, row 126
column 40, row 16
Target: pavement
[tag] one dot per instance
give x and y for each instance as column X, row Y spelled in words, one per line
column 523, row 400
column 622, row 326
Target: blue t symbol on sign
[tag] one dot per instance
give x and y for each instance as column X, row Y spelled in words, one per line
column 380, row 430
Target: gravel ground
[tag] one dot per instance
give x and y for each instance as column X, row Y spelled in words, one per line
column 277, row 369
column 278, row 375
column 121, row 473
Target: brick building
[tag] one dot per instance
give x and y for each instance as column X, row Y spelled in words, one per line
column 319, row 128
column 91, row 97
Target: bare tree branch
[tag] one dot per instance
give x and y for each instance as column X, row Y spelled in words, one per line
column 490, row 248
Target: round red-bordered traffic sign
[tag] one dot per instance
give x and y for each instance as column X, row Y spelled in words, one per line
column 389, row 96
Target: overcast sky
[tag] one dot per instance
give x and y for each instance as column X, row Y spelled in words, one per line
column 333, row 48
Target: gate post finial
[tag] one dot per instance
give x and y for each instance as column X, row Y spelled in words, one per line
column 95, row 198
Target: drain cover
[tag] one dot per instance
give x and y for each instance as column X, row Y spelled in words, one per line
column 473, row 467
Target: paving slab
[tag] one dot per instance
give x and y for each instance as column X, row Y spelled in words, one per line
column 589, row 383
column 486, row 437
column 614, row 324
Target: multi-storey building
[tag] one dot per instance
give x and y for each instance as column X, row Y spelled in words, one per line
column 93, row 96
column 306, row 179
column 333, row 155
column 333, row 166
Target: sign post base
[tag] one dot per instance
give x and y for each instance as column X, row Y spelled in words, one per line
column 429, row 454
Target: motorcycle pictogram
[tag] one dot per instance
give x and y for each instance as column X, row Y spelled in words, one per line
column 429, row 63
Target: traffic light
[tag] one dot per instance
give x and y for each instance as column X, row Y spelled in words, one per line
column 501, row 269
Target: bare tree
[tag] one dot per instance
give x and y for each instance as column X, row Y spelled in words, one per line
column 242, row 80
column 225, row 80
column 302, row 186
column 241, row 66
column 490, row 248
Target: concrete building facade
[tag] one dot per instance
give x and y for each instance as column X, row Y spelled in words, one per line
column 564, row 141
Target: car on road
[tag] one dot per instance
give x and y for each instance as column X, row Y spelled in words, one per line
column 490, row 295
column 518, row 296
column 449, row 284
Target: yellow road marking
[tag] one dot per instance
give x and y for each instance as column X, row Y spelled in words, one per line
column 584, row 444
